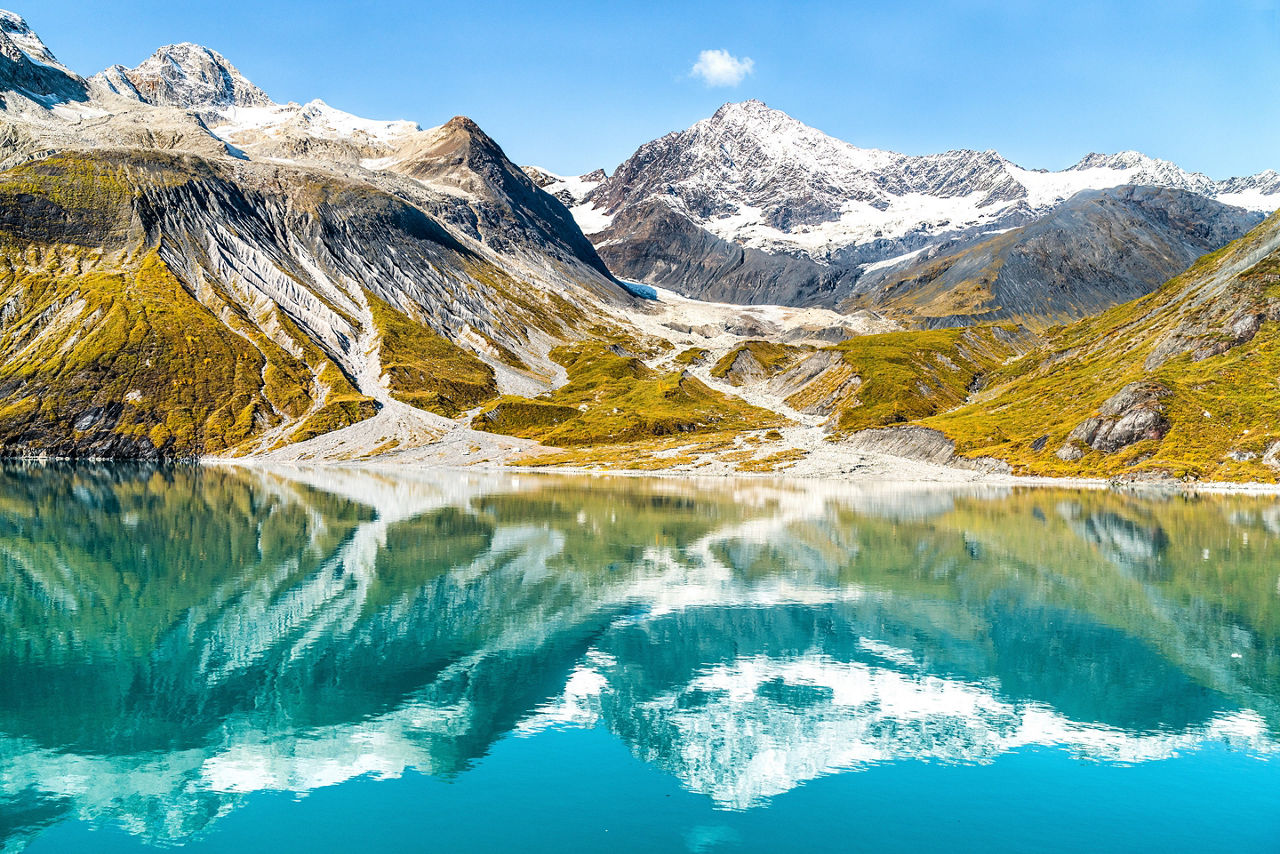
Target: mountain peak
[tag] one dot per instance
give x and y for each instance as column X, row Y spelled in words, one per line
column 747, row 112
column 15, row 27
column 27, row 66
column 751, row 105
column 464, row 124
column 185, row 75
column 1127, row 159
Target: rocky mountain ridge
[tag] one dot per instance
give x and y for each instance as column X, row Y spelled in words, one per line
column 29, row 68
column 756, row 176
column 1098, row 248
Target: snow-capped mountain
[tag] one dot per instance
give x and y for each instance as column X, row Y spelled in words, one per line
column 193, row 77
column 19, row 37
column 184, row 75
column 753, row 179
column 758, row 177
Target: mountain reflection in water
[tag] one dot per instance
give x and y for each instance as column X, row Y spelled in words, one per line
column 173, row 640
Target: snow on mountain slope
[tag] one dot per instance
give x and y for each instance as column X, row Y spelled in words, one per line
column 29, row 69
column 238, row 112
column 1097, row 248
column 25, row 39
column 755, row 176
column 720, row 327
column 274, row 126
column 568, row 189
column 573, row 192
column 753, row 206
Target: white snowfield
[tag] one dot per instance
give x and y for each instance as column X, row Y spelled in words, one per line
column 576, row 187
column 589, row 218
column 315, row 117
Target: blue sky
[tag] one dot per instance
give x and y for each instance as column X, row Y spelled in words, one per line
column 573, row 86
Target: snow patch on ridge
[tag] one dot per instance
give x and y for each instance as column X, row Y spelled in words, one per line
column 316, row 118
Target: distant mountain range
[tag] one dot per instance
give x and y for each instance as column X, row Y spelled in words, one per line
column 753, row 206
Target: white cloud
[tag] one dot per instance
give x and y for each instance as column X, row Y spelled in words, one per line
column 721, row 68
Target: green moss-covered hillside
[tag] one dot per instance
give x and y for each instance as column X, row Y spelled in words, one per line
column 426, row 370
column 911, row 375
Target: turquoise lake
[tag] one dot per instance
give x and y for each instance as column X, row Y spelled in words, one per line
column 337, row 660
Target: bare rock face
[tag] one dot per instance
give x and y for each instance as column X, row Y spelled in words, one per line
column 1069, row 453
column 537, row 176
column 1224, row 325
column 1144, row 395
column 1272, row 457
column 923, row 444
column 654, row 243
column 746, row 368
column 505, row 207
column 1130, row 415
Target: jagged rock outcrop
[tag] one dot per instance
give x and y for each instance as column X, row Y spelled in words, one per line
column 1133, row 414
column 920, row 443
column 572, row 192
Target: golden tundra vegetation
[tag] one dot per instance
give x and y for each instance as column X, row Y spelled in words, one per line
column 613, row 397
column 103, row 350
column 1208, row 338
column 673, row 419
